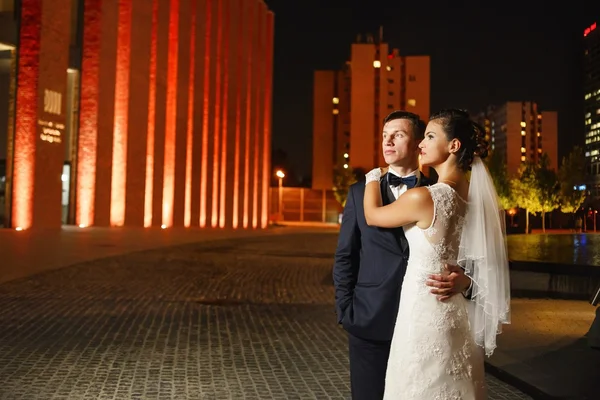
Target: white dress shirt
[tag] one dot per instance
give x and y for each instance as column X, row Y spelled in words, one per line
column 398, row 190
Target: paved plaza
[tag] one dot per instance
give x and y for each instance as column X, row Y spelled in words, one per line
column 240, row 318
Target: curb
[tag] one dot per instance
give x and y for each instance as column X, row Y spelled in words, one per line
column 518, row 383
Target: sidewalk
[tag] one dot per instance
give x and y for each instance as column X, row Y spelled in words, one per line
column 543, row 352
column 27, row 253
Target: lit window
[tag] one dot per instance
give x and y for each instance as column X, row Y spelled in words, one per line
column 377, row 64
column 523, row 149
column 539, row 134
column 523, row 158
column 346, row 166
column 523, row 124
column 336, row 111
column 336, row 100
column 522, row 133
column 539, row 116
column 346, row 155
column 540, row 151
column 412, row 102
column 388, row 68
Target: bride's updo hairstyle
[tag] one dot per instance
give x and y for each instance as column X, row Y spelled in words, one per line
column 458, row 125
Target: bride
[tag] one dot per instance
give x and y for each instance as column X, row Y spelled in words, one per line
column 437, row 348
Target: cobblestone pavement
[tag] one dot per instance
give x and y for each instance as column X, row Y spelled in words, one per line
column 237, row 319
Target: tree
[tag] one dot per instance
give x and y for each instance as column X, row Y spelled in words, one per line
column 572, row 174
column 547, row 181
column 342, row 179
column 499, row 174
column 525, row 191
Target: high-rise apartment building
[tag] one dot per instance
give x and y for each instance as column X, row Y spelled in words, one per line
column 331, row 125
column 521, row 132
column 591, row 84
column 350, row 105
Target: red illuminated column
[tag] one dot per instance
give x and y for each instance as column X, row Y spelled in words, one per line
column 230, row 167
column 149, row 173
column 104, row 17
column 237, row 73
column 160, row 116
column 217, row 116
column 121, row 104
column 189, row 142
column 225, row 162
column 88, row 114
column 183, row 104
column 171, row 116
column 202, row 19
column 249, row 137
column 40, row 113
column 138, row 111
column 257, row 110
column 268, row 96
column 208, row 110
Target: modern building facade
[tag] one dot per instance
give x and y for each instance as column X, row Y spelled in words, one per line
column 591, row 82
column 135, row 112
column 521, row 132
column 350, row 105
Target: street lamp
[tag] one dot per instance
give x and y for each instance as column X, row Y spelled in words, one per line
column 512, row 213
column 280, row 174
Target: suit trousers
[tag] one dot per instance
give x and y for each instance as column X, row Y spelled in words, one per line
column 368, row 364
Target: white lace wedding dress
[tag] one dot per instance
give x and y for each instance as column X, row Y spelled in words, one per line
column 433, row 353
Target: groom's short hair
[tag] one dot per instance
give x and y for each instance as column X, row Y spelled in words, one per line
column 417, row 123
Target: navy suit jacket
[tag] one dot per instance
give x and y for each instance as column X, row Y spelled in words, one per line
column 370, row 264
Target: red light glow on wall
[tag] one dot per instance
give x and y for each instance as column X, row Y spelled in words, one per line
column 267, row 123
column 257, row 133
column 589, row 29
column 236, row 168
column 205, row 116
column 223, row 166
column 187, row 218
column 171, row 117
column 26, row 114
column 248, row 96
column 217, row 133
column 88, row 116
column 119, row 160
column 151, row 120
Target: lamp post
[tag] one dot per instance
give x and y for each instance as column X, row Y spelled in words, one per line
column 512, row 213
column 280, row 174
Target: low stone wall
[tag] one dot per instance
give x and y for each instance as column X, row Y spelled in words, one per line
column 535, row 279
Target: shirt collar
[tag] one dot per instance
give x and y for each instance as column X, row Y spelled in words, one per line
column 416, row 173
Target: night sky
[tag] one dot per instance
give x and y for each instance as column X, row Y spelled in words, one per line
column 480, row 55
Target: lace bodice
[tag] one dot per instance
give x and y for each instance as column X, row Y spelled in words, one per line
column 446, row 227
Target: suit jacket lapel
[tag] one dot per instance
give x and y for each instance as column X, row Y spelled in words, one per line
column 386, row 193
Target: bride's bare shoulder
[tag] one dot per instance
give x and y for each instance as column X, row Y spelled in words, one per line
column 420, row 194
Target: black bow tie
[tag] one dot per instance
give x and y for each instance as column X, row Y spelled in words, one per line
column 395, row 180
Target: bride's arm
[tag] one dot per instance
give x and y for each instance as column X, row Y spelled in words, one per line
column 415, row 205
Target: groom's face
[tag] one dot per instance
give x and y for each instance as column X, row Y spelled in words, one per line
column 399, row 144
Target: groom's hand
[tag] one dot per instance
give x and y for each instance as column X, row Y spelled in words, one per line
column 449, row 283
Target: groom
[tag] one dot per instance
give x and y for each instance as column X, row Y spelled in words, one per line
column 370, row 262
